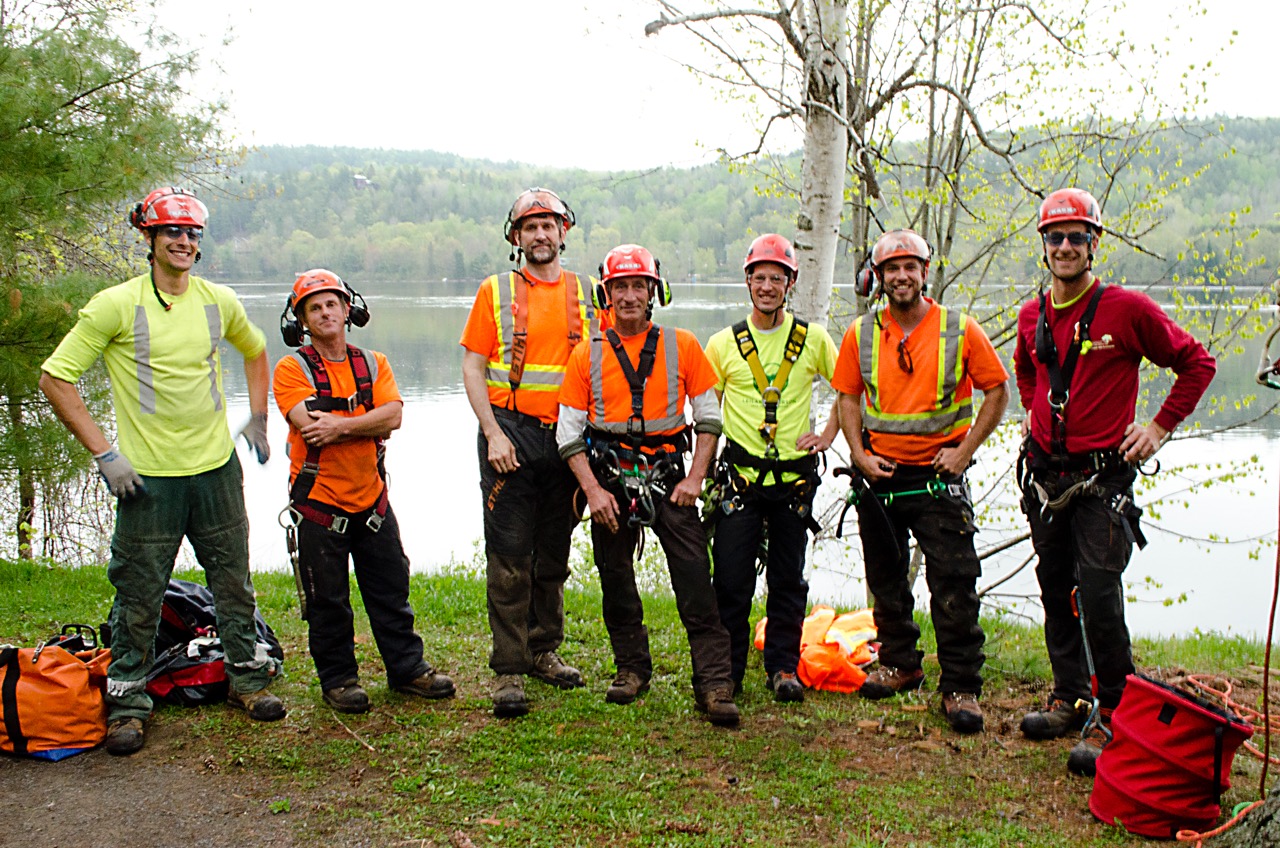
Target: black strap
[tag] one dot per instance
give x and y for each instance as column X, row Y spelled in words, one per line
column 1060, row 373
column 9, row 699
column 324, row 401
column 636, row 377
column 1219, row 731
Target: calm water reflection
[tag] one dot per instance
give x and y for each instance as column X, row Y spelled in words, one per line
column 435, row 483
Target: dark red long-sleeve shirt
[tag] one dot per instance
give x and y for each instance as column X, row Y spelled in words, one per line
column 1127, row 327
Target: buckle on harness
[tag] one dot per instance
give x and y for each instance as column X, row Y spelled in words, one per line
column 339, row 524
column 374, row 522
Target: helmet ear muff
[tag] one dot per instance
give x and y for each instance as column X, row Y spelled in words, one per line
column 135, row 216
column 359, row 314
column 290, row 328
column 866, row 280
column 662, row 286
column 600, row 294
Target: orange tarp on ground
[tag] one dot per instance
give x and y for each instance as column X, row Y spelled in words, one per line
column 832, row 648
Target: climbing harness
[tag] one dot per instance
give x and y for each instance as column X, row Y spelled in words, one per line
column 771, row 389
column 1060, row 373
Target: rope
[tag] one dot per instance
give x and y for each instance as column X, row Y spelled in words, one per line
column 1263, row 718
column 1199, row 838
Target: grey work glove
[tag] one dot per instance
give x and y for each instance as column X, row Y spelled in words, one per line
column 119, row 475
column 255, row 433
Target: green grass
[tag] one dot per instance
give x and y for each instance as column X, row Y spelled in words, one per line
column 578, row 771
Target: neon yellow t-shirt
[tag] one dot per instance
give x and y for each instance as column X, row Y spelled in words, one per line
column 742, row 404
column 165, row 369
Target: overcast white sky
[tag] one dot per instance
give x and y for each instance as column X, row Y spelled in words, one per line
column 555, row 82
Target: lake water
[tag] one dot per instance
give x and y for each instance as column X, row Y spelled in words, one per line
column 1180, row 583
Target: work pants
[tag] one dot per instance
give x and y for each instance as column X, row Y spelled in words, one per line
column 529, row 517
column 943, row 528
column 208, row 509
column 1085, row 544
column 735, row 549
column 382, row 573
column 679, row 531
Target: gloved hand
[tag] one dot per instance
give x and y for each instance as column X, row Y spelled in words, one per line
column 119, row 475
column 255, row 433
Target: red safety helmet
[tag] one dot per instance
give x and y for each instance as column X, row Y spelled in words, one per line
column 537, row 201
column 771, row 247
column 897, row 243
column 1070, row 204
column 629, row 260
column 632, row 260
column 313, row 282
column 169, row 206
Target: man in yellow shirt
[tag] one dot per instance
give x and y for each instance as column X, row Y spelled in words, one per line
column 175, row 473
column 768, row 470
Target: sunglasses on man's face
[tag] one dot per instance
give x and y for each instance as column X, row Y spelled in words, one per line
column 1053, row 239
column 175, row 232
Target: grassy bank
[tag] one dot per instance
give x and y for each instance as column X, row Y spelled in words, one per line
column 835, row 770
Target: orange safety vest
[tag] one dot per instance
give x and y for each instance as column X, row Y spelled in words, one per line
column 508, row 368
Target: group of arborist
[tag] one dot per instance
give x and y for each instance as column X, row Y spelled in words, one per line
column 584, row 404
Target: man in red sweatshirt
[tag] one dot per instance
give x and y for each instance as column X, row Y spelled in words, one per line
column 1080, row 346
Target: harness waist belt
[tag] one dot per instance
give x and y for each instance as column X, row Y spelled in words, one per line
column 1040, row 459
column 338, row 521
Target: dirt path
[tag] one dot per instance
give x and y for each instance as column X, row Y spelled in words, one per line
column 168, row 794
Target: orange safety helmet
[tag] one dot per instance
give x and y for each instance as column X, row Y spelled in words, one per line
column 1070, row 204
column 537, row 201
column 897, row 243
column 313, row 282
column 169, row 206
column 771, row 247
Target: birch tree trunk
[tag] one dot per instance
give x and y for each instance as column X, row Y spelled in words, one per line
column 826, row 38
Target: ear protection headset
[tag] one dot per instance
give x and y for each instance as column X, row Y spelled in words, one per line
column 291, row 329
column 865, row 281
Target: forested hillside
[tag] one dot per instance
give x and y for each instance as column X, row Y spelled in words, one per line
column 419, row 215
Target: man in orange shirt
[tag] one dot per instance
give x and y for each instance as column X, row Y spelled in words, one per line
column 906, row 376
column 341, row 402
column 623, row 432
column 521, row 329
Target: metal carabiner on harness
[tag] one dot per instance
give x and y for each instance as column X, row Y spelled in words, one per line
column 291, row 544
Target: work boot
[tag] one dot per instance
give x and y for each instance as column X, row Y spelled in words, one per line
column 508, row 696
column 887, row 680
column 125, row 736
column 626, row 687
column 1056, row 720
column 260, row 705
column 432, row 685
column 1083, row 759
column 718, row 704
column 549, row 668
column 962, row 711
column 347, row 699
column 786, row 687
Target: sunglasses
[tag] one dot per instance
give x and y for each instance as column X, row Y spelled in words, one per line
column 904, row 357
column 761, row 279
column 173, row 232
column 1054, row 239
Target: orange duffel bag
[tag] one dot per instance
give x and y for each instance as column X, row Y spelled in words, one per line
column 834, row 649
column 51, row 698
